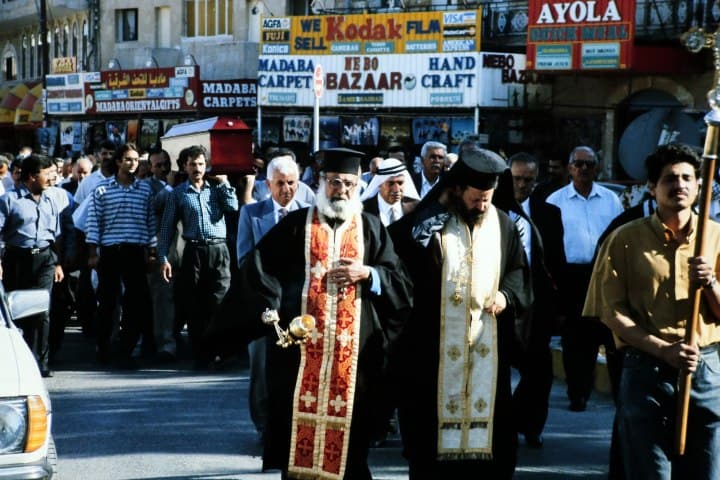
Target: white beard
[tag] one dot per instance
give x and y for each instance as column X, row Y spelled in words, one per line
column 337, row 209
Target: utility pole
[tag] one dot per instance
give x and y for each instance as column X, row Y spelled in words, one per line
column 45, row 53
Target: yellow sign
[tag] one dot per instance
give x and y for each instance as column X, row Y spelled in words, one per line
column 64, row 65
column 407, row 32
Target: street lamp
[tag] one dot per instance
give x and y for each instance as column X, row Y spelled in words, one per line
column 114, row 64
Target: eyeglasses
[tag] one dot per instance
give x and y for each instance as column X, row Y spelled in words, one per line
column 584, row 163
column 339, row 183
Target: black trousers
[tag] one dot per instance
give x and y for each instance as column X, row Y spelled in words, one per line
column 582, row 337
column 24, row 269
column 121, row 266
column 201, row 285
column 531, row 396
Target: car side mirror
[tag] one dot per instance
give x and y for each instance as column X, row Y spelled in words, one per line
column 25, row 303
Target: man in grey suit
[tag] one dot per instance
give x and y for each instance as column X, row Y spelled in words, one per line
column 256, row 219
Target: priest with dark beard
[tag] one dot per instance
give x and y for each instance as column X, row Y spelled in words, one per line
column 338, row 265
column 452, row 368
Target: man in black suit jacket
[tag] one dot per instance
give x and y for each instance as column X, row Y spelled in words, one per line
column 432, row 155
column 391, row 193
column 543, row 243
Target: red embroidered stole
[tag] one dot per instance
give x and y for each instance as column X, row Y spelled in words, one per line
column 325, row 386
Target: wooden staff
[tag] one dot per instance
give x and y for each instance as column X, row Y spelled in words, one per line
column 695, row 40
column 691, row 329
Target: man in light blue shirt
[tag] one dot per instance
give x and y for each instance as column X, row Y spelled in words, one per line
column 587, row 209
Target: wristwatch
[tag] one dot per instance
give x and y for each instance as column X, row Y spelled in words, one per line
column 712, row 283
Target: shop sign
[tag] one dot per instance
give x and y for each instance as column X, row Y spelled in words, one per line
column 580, row 34
column 144, row 90
column 65, row 93
column 374, row 34
column 233, row 95
column 444, row 80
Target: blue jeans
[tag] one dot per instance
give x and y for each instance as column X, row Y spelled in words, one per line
column 646, row 418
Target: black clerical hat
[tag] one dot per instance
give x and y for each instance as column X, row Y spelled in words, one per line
column 477, row 168
column 340, row 160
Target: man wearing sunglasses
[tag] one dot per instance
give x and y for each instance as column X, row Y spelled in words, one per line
column 587, row 209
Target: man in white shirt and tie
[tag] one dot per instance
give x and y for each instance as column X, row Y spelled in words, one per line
column 391, row 193
column 256, row 219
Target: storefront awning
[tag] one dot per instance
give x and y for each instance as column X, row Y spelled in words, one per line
column 11, row 102
column 29, row 110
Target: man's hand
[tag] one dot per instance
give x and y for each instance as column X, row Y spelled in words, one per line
column 166, row 271
column 349, row 271
column 681, row 356
column 59, row 274
column 498, row 305
column 700, row 271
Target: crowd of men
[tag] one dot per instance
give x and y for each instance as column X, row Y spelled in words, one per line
column 410, row 288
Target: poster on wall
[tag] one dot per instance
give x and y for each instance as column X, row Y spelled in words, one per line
column 149, row 133
column 132, row 131
column 461, row 130
column 426, row 129
column 329, row 132
column 360, row 130
column 271, row 130
column 394, row 132
column 297, row 128
column 116, row 131
column 47, row 138
column 95, row 134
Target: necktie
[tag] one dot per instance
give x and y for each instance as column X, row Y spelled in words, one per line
column 281, row 213
column 392, row 215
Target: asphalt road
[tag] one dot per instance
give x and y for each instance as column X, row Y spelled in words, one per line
column 170, row 422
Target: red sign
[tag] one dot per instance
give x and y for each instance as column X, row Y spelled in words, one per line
column 144, row 90
column 580, row 34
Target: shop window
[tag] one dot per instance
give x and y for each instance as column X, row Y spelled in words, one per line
column 126, row 25
column 23, row 61
column 74, row 40
column 207, row 18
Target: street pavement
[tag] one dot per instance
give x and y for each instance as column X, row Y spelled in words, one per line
column 170, row 422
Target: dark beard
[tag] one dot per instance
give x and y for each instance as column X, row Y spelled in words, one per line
column 470, row 217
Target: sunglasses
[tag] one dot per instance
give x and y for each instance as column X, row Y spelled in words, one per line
column 584, row 163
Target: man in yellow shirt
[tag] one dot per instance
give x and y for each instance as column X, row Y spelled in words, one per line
column 640, row 289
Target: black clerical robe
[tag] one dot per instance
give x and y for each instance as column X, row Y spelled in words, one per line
column 415, row 362
column 275, row 280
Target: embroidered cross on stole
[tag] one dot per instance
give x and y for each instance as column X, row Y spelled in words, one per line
column 325, row 386
column 468, row 339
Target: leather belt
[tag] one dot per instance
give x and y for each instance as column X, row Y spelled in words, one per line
column 208, row 241
column 27, row 251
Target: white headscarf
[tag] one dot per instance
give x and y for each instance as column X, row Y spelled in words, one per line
column 388, row 168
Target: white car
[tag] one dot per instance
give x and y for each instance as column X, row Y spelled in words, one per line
column 27, row 449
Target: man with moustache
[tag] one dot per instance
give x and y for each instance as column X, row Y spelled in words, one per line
column 452, row 367
column 200, row 203
column 432, row 155
column 641, row 290
column 542, row 241
column 30, row 225
column 256, row 219
column 337, row 264
column 391, row 192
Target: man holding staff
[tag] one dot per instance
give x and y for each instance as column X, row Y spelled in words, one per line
column 641, row 283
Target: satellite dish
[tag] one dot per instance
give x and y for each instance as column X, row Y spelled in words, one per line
column 317, row 6
column 656, row 127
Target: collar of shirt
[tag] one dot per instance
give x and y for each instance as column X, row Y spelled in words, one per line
column 665, row 234
column 277, row 207
column 384, row 208
column 526, row 206
column 426, row 183
column 594, row 191
column 135, row 183
column 190, row 188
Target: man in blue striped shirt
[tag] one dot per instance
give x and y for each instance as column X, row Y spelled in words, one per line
column 122, row 223
column 201, row 204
